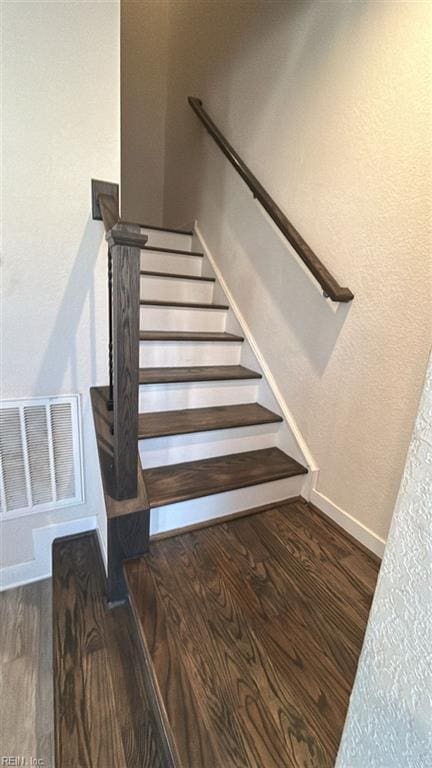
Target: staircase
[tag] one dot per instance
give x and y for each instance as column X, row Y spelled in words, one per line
column 208, row 445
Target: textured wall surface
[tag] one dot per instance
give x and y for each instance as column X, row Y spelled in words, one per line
column 330, row 105
column 60, row 114
column 144, row 40
column 389, row 722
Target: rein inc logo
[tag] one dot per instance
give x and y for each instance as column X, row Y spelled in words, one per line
column 19, row 761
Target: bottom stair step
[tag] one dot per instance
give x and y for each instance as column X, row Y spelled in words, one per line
column 193, row 479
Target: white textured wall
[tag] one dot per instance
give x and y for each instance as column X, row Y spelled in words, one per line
column 61, row 102
column 330, row 105
column 389, row 722
column 144, row 40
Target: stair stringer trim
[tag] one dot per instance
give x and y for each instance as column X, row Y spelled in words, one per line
column 309, row 480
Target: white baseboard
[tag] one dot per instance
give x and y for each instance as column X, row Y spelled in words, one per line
column 359, row 531
column 41, row 566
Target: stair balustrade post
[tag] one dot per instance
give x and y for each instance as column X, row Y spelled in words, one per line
column 125, row 319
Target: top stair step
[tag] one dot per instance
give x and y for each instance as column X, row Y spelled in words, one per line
column 161, row 237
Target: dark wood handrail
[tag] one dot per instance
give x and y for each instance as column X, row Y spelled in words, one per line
column 328, row 283
column 116, row 231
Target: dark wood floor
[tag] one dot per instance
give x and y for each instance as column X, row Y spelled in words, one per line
column 104, row 717
column 253, row 630
column 26, row 708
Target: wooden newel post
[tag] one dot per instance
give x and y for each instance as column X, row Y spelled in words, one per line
column 125, row 316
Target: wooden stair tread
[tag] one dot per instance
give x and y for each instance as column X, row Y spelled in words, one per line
column 187, row 232
column 176, row 275
column 196, row 373
column 192, row 479
column 180, row 251
column 187, row 420
column 188, row 336
column 181, row 304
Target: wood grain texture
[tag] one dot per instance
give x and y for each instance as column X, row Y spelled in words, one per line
column 196, row 373
column 127, row 520
column 329, row 284
column 126, row 364
column 187, row 420
column 103, row 422
column 181, row 304
column 253, row 653
column 26, row 705
column 217, row 336
column 192, row 479
column 177, row 276
column 102, row 712
column 124, row 237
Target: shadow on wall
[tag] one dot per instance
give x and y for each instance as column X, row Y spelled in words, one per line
column 264, row 267
column 65, row 344
column 240, row 231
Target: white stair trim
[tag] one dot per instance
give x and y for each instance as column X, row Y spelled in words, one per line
column 287, row 414
column 360, row 532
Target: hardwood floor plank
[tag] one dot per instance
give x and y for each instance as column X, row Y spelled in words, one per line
column 307, row 668
column 221, row 686
column 309, row 582
column 101, row 706
column 300, row 517
column 249, row 678
column 25, row 673
column 100, row 734
column 179, row 707
column 253, row 651
column 44, row 686
column 278, row 596
column 362, row 569
column 311, row 547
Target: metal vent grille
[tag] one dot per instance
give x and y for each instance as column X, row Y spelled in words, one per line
column 40, row 455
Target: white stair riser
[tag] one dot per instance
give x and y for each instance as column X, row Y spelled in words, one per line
column 161, row 239
column 197, row 394
column 154, row 354
column 160, row 451
column 170, row 289
column 171, row 262
column 181, row 319
column 194, row 511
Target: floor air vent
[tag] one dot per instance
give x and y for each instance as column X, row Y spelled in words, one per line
column 40, row 455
